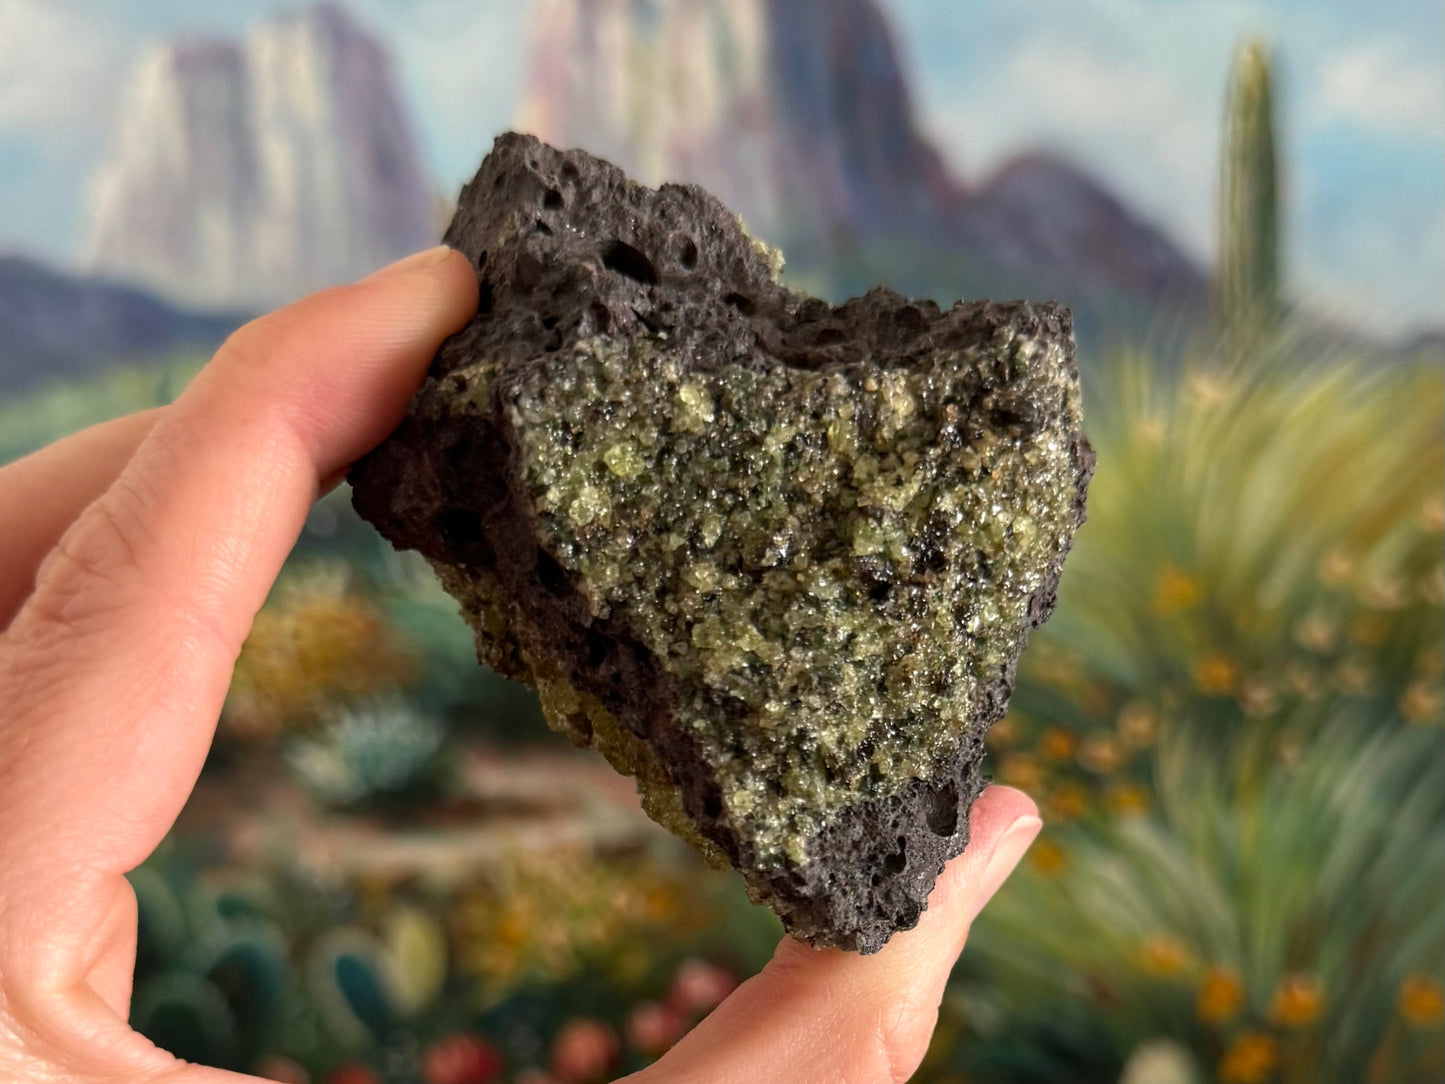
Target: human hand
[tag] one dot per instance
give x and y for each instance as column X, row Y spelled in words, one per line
column 133, row 558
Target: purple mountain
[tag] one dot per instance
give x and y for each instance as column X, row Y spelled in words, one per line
column 797, row 113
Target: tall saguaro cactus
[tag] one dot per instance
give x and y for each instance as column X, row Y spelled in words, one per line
column 1247, row 271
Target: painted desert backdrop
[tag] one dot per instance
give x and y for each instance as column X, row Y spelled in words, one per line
column 392, row 871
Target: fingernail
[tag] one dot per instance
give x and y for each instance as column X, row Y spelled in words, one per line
column 1007, row 853
column 417, row 261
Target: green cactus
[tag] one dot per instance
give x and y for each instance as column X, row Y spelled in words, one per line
column 185, row 1014
column 1247, row 274
column 385, row 752
column 417, row 944
column 350, row 974
column 250, row 969
column 161, row 932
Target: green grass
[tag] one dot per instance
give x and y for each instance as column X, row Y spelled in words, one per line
column 34, row 420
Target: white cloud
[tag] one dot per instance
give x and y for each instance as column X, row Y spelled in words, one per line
column 1379, row 86
column 1125, row 120
column 463, row 64
column 58, row 66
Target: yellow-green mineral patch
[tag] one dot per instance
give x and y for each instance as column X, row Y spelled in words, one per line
column 833, row 563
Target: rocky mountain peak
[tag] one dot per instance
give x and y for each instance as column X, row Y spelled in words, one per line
column 248, row 173
column 795, row 113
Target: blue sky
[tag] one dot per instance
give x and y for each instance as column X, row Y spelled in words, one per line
column 1129, row 88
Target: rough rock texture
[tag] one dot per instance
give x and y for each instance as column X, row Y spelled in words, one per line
column 775, row 559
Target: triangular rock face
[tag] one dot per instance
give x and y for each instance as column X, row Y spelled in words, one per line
column 775, row 559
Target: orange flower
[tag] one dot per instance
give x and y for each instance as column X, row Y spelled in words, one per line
column 1421, row 702
column 1297, row 1002
column 1220, row 995
column 1048, row 857
column 1250, row 1059
column 1422, row 1001
column 1216, row 674
column 1067, row 802
column 1162, row 955
column 1058, row 743
column 1174, row 591
column 1129, row 799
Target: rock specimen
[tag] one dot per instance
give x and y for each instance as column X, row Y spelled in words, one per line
column 773, row 558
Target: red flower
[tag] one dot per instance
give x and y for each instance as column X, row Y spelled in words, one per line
column 461, row 1059
column 584, row 1051
column 353, row 1072
column 699, row 987
column 653, row 1028
column 282, row 1069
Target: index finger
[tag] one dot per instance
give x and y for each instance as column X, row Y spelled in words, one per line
column 116, row 668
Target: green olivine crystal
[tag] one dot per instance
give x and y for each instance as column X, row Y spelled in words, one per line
column 775, row 539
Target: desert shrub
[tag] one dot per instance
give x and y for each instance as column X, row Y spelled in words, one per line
column 1233, row 727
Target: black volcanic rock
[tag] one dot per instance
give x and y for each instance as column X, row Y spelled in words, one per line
column 775, row 559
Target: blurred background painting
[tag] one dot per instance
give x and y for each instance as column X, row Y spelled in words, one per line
column 393, row 872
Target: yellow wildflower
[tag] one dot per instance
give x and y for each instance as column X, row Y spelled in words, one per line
column 1161, row 955
column 1371, row 630
column 1316, row 632
column 1174, row 591
column 1048, row 857
column 1095, row 698
column 1421, row 702
column 1022, row 771
column 1257, row 698
column 1303, row 679
column 1150, row 431
column 1220, row 995
column 1297, row 1002
column 1432, row 588
column 1005, row 731
column 1058, row 743
column 1432, row 514
column 1250, row 1059
column 1138, row 725
column 1354, row 675
column 1100, row 753
column 1209, row 389
column 1336, row 566
column 1422, row 1001
column 1129, row 799
column 1386, row 593
column 1216, row 674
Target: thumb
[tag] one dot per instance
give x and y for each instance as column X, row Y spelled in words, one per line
column 826, row 1015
